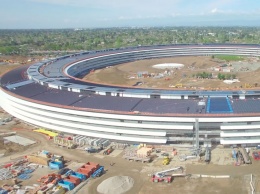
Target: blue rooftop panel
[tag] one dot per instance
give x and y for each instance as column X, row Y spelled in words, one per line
column 219, row 105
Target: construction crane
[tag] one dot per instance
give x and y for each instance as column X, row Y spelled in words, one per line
column 162, row 176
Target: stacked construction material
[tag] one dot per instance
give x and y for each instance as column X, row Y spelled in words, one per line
column 76, row 181
column 57, row 190
column 142, row 154
column 38, row 159
column 82, row 177
column 24, row 176
column 56, row 165
column 85, row 171
column 17, row 169
column 5, row 174
column 98, row 172
column 245, row 156
column 65, row 142
column 2, row 191
column 240, row 157
column 120, row 146
column 49, row 179
column 47, row 159
column 163, row 148
column 66, row 184
column 91, row 169
column 43, row 189
column 83, row 140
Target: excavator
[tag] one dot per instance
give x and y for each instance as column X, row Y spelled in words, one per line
column 178, row 85
column 163, row 176
column 247, row 85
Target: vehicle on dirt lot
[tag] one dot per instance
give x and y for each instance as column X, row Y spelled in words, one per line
column 164, row 154
column 162, row 176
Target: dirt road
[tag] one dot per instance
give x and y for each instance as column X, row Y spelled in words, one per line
column 143, row 185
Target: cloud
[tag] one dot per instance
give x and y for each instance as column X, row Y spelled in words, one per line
column 144, row 10
column 214, row 10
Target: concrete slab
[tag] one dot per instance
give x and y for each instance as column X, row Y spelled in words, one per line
column 75, row 165
column 99, row 156
column 115, row 153
column 20, row 140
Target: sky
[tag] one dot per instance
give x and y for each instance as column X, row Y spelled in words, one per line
column 48, row 14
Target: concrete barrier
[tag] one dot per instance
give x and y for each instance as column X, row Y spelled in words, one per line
column 194, row 175
column 222, row 176
column 211, row 176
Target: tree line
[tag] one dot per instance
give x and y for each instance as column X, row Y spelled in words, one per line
column 24, row 42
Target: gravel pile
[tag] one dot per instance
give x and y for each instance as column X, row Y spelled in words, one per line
column 116, row 185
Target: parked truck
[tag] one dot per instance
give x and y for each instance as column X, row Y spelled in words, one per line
column 164, row 176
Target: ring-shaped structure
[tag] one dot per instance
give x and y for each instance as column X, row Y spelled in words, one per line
column 51, row 94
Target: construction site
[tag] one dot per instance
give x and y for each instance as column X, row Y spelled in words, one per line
column 50, row 162
column 143, row 74
column 39, row 160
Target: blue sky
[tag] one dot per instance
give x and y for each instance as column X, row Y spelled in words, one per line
column 17, row 14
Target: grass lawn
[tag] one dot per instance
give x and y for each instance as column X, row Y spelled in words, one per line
column 229, row 57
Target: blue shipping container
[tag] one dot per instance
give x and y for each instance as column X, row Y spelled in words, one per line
column 56, row 165
column 82, row 177
column 66, row 184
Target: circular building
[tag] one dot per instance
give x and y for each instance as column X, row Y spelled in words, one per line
column 50, row 94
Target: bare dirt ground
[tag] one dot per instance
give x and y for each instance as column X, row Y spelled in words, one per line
column 121, row 74
column 8, row 63
column 221, row 164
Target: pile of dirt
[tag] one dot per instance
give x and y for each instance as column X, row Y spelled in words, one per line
column 116, row 185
